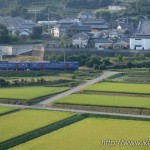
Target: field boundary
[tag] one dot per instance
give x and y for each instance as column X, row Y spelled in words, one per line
column 28, row 102
column 107, row 109
column 9, row 112
column 40, row 132
column 116, row 117
column 114, row 93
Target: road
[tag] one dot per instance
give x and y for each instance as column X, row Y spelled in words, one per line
column 77, row 111
column 103, row 76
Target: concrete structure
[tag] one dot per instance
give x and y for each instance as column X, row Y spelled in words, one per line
column 141, row 40
column 6, row 50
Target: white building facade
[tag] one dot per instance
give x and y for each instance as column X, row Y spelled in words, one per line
column 137, row 43
column 80, row 40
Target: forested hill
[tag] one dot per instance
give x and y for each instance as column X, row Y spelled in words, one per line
column 91, row 4
column 135, row 8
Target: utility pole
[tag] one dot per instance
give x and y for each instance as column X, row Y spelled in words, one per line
column 35, row 15
column 1, row 56
column 64, row 56
column 48, row 22
column 127, row 21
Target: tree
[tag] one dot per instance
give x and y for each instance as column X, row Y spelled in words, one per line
column 37, row 32
column 4, row 35
column 96, row 66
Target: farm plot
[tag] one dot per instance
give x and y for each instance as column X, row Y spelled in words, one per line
column 120, row 88
column 104, row 100
column 22, row 122
column 27, row 93
column 5, row 109
column 88, row 134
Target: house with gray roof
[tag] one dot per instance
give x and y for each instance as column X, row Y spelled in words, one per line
column 103, row 43
column 80, row 40
column 141, row 40
column 86, row 15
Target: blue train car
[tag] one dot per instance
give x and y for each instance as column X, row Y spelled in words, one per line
column 54, row 66
column 39, row 65
column 8, row 66
column 36, row 66
column 22, row 66
column 71, row 65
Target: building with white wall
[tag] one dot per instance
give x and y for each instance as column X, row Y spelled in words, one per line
column 80, row 40
column 141, row 40
column 116, row 7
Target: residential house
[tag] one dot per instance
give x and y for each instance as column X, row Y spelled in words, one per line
column 73, row 29
column 25, row 33
column 17, row 24
column 118, row 33
column 121, row 44
column 96, row 25
column 103, row 43
column 64, row 26
column 117, row 7
column 80, row 40
column 69, row 21
column 87, row 15
column 141, row 40
column 59, row 30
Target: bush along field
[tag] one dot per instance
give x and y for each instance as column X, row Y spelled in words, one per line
column 28, row 95
column 92, row 134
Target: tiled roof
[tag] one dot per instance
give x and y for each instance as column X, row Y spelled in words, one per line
column 144, row 28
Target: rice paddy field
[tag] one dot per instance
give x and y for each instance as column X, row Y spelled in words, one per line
column 120, row 88
column 89, row 133
column 105, row 100
column 21, row 122
column 27, row 93
column 5, row 109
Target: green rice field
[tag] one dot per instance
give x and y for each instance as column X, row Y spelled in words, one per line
column 27, row 93
column 90, row 134
column 5, row 109
column 104, row 100
column 120, row 88
column 21, row 122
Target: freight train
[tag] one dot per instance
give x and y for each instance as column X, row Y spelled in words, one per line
column 5, row 65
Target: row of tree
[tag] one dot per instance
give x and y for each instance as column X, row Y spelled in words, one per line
column 22, row 82
column 98, row 62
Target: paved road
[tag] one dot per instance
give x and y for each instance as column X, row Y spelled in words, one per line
column 77, row 111
column 103, row 76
